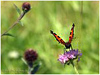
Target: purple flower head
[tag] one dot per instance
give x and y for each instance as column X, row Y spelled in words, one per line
column 63, row 58
column 70, row 55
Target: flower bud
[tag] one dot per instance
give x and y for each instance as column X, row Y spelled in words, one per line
column 26, row 7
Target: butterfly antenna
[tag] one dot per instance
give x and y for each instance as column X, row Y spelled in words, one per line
column 64, row 50
column 51, row 31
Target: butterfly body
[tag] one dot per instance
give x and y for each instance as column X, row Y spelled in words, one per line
column 67, row 44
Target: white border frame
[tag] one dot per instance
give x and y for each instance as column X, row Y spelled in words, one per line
column 50, row 0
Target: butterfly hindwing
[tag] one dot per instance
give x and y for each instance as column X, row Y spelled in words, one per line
column 57, row 37
column 71, row 33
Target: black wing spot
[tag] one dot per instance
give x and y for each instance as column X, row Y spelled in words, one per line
column 58, row 37
column 51, row 31
column 70, row 33
column 57, row 40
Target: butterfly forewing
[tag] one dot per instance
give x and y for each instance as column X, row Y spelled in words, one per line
column 57, row 38
column 71, row 33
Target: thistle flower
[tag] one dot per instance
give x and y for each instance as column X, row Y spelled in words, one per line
column 30, row 55
column 70, row 56
column 26, row 6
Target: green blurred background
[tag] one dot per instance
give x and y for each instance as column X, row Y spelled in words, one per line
column 43, row 17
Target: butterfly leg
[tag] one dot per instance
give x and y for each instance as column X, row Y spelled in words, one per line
column 64, row 50
column 71, row 47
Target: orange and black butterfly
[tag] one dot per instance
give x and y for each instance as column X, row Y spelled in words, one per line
column 67, row 44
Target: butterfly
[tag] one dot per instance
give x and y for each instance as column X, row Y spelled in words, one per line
column 67, row 44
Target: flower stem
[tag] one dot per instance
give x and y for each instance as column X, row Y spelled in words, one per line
column 21, row 16
column 76, row 70
column 29, row 70
column 30, row 67
column 74, row 67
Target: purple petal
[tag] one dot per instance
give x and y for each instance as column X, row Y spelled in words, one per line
column 63, row 58
column 78, row 59
column 80, row 54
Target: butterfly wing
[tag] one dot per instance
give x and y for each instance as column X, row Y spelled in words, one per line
column 71, row 33
column 57, row 37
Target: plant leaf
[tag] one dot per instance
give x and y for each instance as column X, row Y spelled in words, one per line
column 21, row 23
column 8, row 34
column 18, row 10
column 35, row 69
column 24, row 61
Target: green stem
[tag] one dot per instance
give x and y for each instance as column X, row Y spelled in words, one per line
column 30, row 69
column 76, row 70
column 21, row 16
column 74, row 67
